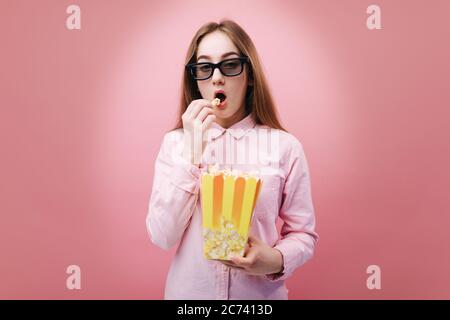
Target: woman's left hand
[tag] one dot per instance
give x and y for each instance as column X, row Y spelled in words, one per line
column 259, row 259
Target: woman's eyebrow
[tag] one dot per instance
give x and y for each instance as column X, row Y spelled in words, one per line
column 223, row 56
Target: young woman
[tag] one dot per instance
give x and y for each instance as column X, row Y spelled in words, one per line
column 222, row 62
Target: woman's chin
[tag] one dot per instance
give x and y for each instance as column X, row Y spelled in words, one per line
column 223, row 115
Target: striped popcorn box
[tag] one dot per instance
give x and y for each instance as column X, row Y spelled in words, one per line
column 228, row 199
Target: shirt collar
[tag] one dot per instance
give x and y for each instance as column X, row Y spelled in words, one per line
column 237, row 130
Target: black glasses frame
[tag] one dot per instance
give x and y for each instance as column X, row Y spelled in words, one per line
column 190, row 67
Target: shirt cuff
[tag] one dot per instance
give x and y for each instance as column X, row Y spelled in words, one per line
column 285, row 271
column 185, row 175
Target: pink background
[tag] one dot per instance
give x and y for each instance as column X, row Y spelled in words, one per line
column 83, row 114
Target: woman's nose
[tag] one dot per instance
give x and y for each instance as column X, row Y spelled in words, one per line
column 217, row 76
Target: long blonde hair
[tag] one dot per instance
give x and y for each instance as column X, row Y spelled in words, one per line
column 258, row 100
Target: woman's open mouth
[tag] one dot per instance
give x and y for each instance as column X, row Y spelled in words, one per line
column 222, row 97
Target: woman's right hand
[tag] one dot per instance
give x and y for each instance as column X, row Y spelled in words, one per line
column 196, row 120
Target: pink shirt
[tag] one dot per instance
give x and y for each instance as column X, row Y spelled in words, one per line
column 174, row 213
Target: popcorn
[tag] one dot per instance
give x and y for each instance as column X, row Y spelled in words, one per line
column 224, row 242
column 213, row 169
column 215, row 102
column 228, row 198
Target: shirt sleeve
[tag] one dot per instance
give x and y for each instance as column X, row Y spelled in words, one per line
column 298, row 237
column 174, row 194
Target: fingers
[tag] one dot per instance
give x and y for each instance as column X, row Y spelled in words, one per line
column 209, row 119
column 197, row 117
column 247, row 261
column 203, row 114
column 253, row 239
column 241, row 262
column 246, row 249
column 196, row 106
